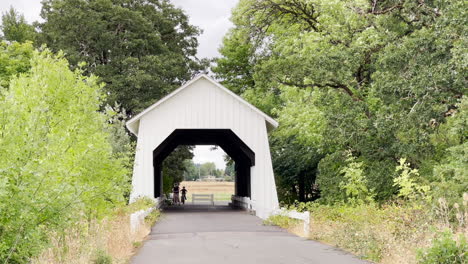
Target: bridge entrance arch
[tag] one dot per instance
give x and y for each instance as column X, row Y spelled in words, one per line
column 203, row 112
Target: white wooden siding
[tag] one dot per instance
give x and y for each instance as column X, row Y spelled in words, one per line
column 203, row 104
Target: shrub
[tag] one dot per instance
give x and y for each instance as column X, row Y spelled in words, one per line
column 102, row 258
column 153, row 217
column 445, row 250
column 57, row 165
column 329, row 177
column 406, row 182
column 355, row 183
column 451, row 172
column 282, row 221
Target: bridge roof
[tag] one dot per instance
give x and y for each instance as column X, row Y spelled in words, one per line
column 133, row 123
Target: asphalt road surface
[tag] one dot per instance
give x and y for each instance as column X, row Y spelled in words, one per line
column 221, row 235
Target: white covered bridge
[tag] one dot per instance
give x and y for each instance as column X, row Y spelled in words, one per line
column 203, row 112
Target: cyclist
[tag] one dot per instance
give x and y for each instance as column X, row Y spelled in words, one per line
column 184, row 196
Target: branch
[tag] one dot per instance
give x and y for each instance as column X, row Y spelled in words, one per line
column 384, row 11
column 337, row 86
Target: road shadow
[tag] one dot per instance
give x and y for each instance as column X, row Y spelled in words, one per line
column 221, row 207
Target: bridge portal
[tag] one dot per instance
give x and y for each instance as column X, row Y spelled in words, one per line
column 203, row 112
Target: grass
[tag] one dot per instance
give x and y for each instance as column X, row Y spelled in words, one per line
column 385, row 234
column 282, row 221
column 100, row 241
column 222, row 190
column 401, row 232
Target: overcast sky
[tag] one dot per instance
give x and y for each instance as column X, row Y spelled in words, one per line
column 212, row 16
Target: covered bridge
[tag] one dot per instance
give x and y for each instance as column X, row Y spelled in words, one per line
column 203, row 112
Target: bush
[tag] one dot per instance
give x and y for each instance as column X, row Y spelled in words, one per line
column 102, row 258
column 407, row 182
column 354, row 183
column 370, row 231
column 329, row 177
column 445, row 250
column 57, row 165
column 282, row 221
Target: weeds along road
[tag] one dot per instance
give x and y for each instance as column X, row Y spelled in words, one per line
column 205, row 234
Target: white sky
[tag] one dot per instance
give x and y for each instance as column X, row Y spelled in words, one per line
column 212, row 16
column 204, row 154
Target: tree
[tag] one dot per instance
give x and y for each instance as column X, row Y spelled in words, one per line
column 15, row 58
column 173, row 168
column 450, row 178
column 57, row 164
column 140, row 49
column 190, row 170
column 376, row 78
column 15, row 27
column 208, row 169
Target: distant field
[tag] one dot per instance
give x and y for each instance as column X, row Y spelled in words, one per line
column 222, row 190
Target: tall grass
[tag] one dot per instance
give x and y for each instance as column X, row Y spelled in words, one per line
column 109, row 240
column 388, row 234
column 407, row 233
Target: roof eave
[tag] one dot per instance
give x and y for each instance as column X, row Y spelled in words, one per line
column 132, row 124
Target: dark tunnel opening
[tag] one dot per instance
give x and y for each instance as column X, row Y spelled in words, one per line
column 226, row 139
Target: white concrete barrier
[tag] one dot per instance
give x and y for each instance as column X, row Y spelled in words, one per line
column 303, row 216
column 243, row 202
column 137, row 218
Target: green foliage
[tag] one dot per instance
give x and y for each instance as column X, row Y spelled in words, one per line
column 354, row 182
column 451, row 172
column 174, row 167
column 235, row 68
column 282, row 221
column 368, row 230
column 196, row 171
column 190, row 170
column 406, row 182
column 295, row 167
column 329, row 177
column 122, row 145
column 378, row 78
column 142, row 203
column 141, row 49
column 153, row 217
column 102, row 258
column 445, row 249
column 57, row 165
column 207, row 168
column 14, row 59
column 15, row 27
column 230, row 171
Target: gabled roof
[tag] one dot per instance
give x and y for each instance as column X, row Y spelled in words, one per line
column 133, row 123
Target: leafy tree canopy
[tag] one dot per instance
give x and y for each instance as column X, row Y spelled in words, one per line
column 57, row 164
column 14, row 59
column 376, row 78
column 15, row 28
column 141, row 49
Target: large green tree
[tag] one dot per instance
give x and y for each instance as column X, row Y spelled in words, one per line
column 141, row 49
column 57, row 163
column 15, row 28
column 174, row 166
column 15, row 58
column 376, row 78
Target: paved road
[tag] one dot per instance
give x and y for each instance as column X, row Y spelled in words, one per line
column 212, row 235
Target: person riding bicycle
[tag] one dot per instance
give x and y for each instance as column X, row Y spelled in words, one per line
column 184, row 196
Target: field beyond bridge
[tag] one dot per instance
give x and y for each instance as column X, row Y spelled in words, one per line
column 222, row 190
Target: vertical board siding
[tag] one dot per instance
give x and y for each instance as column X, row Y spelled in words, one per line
column 204, row 105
